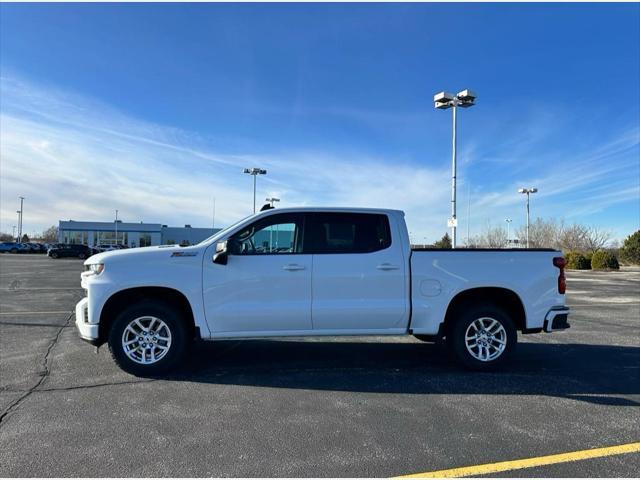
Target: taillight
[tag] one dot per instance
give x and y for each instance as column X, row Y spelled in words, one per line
column 560, row 262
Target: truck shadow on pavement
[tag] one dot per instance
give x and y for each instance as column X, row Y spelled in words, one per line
column 598, row 374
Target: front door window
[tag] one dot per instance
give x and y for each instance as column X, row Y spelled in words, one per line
column 276, row 234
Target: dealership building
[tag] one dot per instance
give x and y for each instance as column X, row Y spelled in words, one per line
column 129, row 234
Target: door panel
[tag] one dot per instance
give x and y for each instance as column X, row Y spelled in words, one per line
column 350, row 292
column 266, row 283
column 359, row 277
column 258, row 293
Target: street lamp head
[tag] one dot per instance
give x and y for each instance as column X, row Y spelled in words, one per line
column 443, row 97
column 533, row 190
column 254, row 171
column 466, row 98
column 443, row 100
column 527, row 190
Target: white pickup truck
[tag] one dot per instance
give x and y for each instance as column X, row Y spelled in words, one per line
column 317, row 271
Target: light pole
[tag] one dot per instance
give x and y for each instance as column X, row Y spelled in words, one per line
column 508, row 220
column 254, row 172
column 14, row 232
column 528, row 191
column 21, row 213
column 444, row 101
column 116, row 225
column 18, row 236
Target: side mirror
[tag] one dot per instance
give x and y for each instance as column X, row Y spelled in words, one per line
column 221, row 256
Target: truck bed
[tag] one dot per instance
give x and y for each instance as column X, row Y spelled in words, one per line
column 439, row 275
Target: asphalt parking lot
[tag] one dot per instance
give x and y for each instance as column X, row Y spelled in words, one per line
column 313, row 408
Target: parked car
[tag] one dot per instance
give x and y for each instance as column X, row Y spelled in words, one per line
column 254, row 279
column 34, row 247
column 12, row 247
column 70, row 250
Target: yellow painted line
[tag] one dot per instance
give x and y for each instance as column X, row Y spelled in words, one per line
column 488, row 468
column 35, row 313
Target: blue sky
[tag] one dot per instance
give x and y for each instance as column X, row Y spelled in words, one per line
column 155, row 109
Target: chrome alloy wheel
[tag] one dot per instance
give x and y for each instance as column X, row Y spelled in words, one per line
column 146, row 340
column 485, row 339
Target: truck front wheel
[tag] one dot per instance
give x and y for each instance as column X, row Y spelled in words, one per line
column 483, row 337
column 148, row 338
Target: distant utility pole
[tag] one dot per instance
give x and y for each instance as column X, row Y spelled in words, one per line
column 213, row 220
column 444, row 101
column 508, row 220
column 116, row 224
column 254, row 172
column 527, row 191
column 14, row 232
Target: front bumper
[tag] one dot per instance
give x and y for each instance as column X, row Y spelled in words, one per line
column 556, row 319
column 87, row 331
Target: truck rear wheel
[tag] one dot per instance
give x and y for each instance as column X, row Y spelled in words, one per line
column 148, row 338
column 483, row 337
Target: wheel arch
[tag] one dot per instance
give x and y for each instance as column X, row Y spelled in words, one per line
column 123, row 298
column 499, row 296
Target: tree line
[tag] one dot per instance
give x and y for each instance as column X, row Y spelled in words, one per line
column 554, row 234
column 50, row 235
column 570, row 238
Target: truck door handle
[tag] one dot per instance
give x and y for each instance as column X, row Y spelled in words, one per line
column 387, row 266
column 293, row 267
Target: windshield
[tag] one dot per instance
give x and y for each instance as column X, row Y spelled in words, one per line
column 224, row 231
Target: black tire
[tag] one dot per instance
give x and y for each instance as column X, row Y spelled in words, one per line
column 14, row 250
column 82, row 256
column 53, row 255
column 179, row 338
column 457, row 336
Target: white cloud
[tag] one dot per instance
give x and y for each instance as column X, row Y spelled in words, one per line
column 74, row 157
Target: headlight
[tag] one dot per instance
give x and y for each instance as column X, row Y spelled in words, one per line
column 96, row 268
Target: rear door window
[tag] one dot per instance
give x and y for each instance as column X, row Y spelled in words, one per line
column 338, row 232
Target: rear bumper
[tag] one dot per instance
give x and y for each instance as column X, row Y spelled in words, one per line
column 556, row 319
column 87, row 331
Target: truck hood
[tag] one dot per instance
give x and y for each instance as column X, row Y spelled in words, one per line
column 133, row 255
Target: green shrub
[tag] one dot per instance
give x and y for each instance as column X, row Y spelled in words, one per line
column 588, row 256
column 630, row 251
column 577, row 261
column 604, row 260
